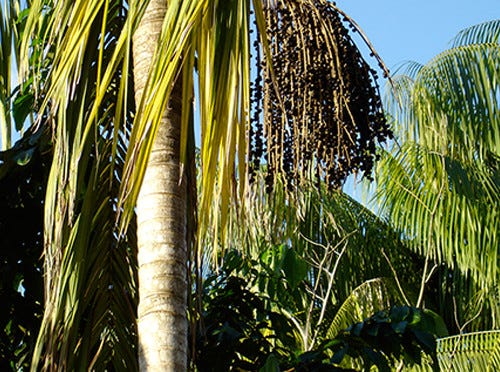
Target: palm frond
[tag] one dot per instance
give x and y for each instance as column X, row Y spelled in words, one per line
column 90, row 285
column 483, row 33
column 494, row 362
column 368, row 298
column 472, row 351
column 460, row 86
column 175, row 43
column 224, row 98
column 440, row 187
column 456, row 89
column 449, row 218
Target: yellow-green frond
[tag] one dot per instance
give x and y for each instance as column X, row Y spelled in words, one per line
column 84, row 98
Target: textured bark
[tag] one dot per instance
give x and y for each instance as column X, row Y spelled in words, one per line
column 161, row 220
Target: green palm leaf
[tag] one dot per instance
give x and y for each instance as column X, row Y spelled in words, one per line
column 370, row 297
column 486, row 32
column 441, row 186
column 472, row 351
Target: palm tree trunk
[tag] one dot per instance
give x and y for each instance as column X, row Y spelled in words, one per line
column 161, row 220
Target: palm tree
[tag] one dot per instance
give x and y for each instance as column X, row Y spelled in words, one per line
column 110, row 152
column 441, row 186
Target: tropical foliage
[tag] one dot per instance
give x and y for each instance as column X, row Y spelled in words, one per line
column 315, row 261
column 9, row 37
column 318, row 263
column 75, row 59
column 251, row 329
column 24, row 168
column 440, row 183
column 90, row 290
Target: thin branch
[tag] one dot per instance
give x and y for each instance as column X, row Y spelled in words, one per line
column 313, row 242
column 422, row 284
column 461, row 328
column 330, row 283
column 395, row 277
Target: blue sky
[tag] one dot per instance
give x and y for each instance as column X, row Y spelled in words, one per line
column 403, row 30
column 409, row 30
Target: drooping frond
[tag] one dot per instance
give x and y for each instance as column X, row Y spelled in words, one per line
column 90, row 285
column 174, row 48
column 224, row 76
